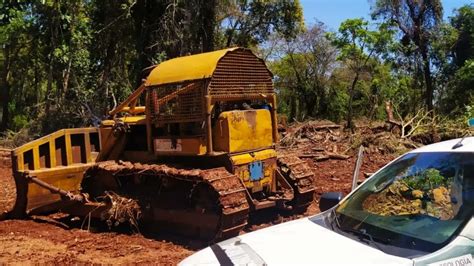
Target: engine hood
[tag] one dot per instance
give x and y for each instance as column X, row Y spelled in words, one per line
column 297, row 242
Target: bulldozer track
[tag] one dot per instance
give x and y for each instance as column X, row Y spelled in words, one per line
column 231, row 203
column 301, row 178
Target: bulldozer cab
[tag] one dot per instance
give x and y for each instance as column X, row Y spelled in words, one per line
column 205, row 104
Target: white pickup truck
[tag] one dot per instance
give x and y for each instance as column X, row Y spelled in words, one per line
column 417, row 210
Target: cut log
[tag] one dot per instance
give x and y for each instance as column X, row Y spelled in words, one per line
column 307, row 155
column 326, row 156
column 337, row 156
column 326, row 126
column 321, row 158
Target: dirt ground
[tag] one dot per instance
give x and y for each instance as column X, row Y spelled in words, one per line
column 34, row 241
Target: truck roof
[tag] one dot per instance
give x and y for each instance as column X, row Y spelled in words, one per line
column 447, row 146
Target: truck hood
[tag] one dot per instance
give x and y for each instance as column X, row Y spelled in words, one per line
column 297, row 242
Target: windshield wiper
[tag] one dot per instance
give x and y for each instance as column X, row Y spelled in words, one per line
column 360, row 233
column 363, row 233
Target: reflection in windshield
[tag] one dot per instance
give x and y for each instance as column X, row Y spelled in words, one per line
column 426, row 192
column 420, row 201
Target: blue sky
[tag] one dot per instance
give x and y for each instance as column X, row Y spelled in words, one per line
column 333, row 12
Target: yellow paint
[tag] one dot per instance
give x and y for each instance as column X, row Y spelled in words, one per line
column 244, row 174
column 242, row 161
column 20, row 165
column 247, row 158
column 107, row 123
column 135, row 110
column 68, row 179
column 50, row 137
column 68, row 149
column 236, row 131
column 186, row 68
column 132, row 120
column 185, row 146
column 268, row 175
column 52, row 154
column 33, row 147
column 36, row 157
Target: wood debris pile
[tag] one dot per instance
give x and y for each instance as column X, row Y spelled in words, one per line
column 122, row 210
column 318, row 140
column 323, row 140
column 312, row 131
column 384, row 142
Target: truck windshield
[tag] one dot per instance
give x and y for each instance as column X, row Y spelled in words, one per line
column 419, row 202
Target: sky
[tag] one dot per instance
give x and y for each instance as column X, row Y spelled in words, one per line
column 333, row 12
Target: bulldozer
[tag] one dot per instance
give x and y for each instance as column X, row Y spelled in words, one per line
column 192, row 150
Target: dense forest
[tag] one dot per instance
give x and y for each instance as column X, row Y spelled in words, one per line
column 66, row 63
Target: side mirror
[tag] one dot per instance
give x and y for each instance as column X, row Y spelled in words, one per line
column 470, row 122
column 329, row 200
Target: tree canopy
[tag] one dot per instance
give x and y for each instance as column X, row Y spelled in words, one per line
column 66, row 63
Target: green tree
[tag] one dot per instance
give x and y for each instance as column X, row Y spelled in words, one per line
column 358, row 46
column 463, row 22
column 250, row 22
column 13, row 37
column 66, row 63
column 302, row 68
column 457, row 73
column 417, row 21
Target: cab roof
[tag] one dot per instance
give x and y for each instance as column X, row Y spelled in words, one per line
column 186, row 68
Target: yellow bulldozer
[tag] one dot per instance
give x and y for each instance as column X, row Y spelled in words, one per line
column 192, row 150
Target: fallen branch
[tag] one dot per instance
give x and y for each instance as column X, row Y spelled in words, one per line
column 46, row 219
column 337, row 156
column 321, row 158
column 327, row 155
column 333, row 126
column 308, row 155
